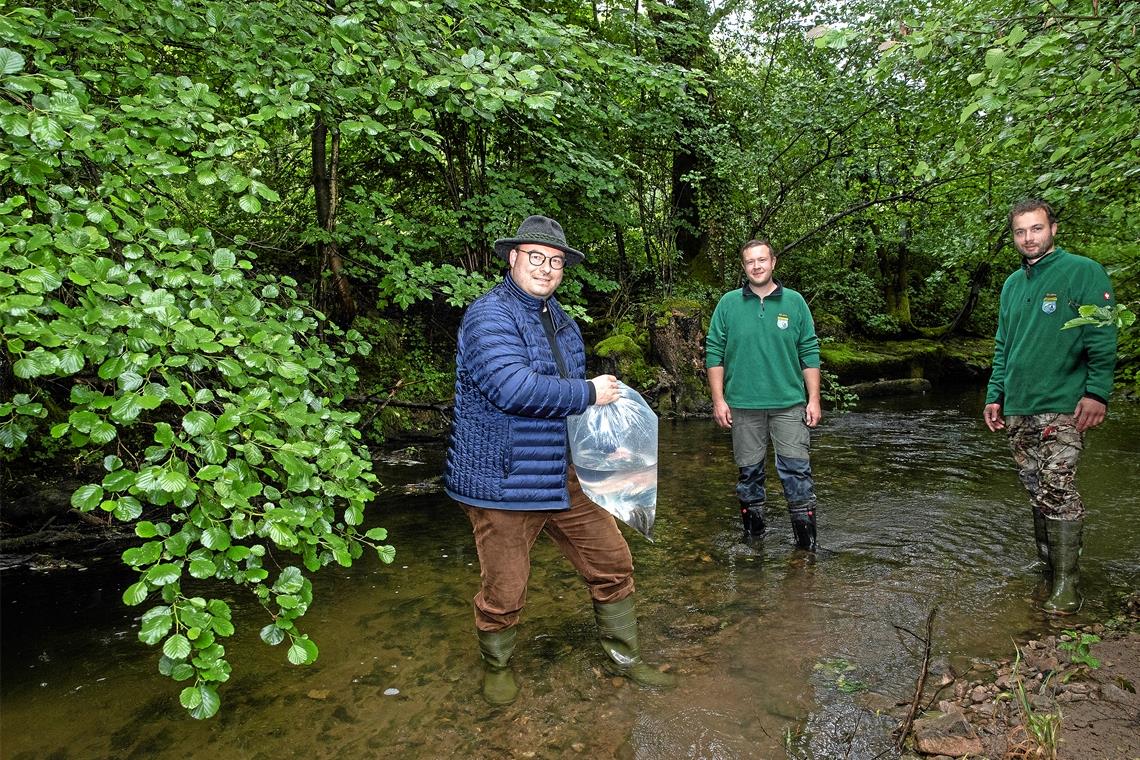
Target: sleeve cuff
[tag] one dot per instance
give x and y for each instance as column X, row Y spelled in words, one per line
column 1095, row 397
column 593, row 394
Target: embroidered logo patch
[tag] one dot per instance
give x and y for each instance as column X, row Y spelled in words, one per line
column 1107, row 296
column 782, row 321
column 1049, row 303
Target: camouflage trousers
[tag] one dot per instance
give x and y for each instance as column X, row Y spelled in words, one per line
column 1046, row 448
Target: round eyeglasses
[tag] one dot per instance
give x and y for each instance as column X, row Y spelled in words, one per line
column 538, row 258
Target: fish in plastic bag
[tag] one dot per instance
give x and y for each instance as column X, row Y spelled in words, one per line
column 614, row 450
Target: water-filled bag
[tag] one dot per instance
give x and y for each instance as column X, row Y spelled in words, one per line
column 614, row 450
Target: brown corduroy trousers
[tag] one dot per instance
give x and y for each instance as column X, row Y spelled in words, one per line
column 586, row 534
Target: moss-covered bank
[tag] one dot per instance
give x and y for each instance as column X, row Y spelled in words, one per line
column 953, row 360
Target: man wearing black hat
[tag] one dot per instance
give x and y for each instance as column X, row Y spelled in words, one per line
column 520, row 371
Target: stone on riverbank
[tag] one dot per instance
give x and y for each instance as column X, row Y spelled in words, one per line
column 948, row 734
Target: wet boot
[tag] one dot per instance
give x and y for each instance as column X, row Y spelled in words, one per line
column 499, row 687
column 1064, row 553
column 750, row 494
column 803, row 525
column 752, row 516
column 617, row 628
column 1041, row 536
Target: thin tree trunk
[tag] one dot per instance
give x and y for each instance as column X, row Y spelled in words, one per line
column 334, row 292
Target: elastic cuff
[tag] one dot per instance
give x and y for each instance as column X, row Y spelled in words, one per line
column 593, row 394
column 1096, row 398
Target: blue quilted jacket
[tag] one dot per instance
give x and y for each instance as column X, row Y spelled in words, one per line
column 508, row 440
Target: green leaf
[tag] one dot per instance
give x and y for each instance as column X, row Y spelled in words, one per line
column 119, row 480
column 202, row 568
column 249, row 204
column 208, row 703
column 290, row 581
column 85, row 498
column 272, row 635
column 224, row 259
column 177, row 647
column 126, row 408
column 303, row 652
column 190, row 697
column 182, row 671
column 102, row 432
column 216, row 538
column 47, row 133
column 136, row 593
column 172, row 481
column 11, row 62
column 154, row 627
column 163, row 575
column 995, row 58
column 968, row 111
column 69, row 361
column 198, row 423
column 127, row 509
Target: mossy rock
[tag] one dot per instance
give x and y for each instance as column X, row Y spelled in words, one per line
column 829, row 325
column 622, row 356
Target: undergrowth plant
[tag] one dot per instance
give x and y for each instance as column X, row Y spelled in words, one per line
column 1041, row 728
column 1079, row 646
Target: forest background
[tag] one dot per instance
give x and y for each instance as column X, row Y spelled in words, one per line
column 238, row 236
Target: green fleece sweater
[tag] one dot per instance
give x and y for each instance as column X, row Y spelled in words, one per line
column 1038, row 367
column 764, row 345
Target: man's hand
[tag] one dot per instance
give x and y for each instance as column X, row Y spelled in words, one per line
column 1089, row 413
column 813, row 413
column 722, row 414
column 992, row 415
column 606, row 389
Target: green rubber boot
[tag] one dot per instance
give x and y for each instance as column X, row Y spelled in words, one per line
column 499, row 687
column 1064, row 553
column 1041, row 536
column 617, row 627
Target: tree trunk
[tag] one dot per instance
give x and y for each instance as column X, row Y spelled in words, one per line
column 334, row 292
column 978, row 279
column 678, row 345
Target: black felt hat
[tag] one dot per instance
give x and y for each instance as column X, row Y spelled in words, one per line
column 542, row 230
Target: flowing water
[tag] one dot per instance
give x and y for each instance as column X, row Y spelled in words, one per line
column 780, row 653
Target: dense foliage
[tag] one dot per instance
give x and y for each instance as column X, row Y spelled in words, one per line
column 207, row 207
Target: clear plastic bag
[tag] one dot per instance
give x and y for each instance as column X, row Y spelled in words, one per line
column 614, row 450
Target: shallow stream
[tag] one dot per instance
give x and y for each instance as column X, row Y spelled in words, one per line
column 780, row 654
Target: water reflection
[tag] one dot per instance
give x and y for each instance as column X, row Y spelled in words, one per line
column 782, row 654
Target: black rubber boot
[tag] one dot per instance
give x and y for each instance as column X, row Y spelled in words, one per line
column 803, row 525
column 752, row 516
column 1064, row 553
column 1041, row 536
column 617, row 628
column 496, row 648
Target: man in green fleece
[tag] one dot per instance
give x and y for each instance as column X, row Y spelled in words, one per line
column 1051, row 384
column 762, row 356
